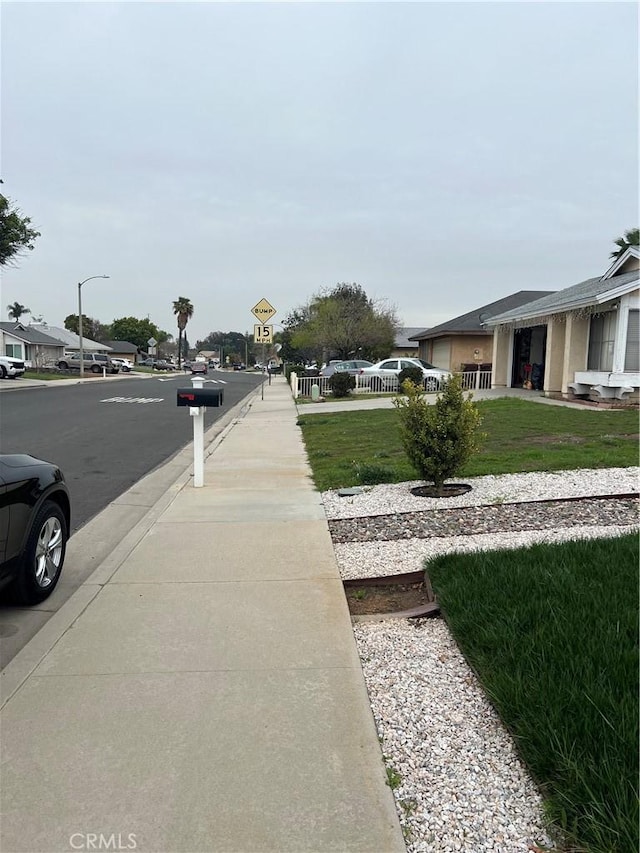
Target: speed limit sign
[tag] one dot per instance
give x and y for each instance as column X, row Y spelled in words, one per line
column 263, row 334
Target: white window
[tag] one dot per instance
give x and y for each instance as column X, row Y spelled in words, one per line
column 632, row 350
column 602, row 335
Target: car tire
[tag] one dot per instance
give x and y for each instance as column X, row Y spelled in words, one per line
column 3, row 372
column 431, row 384
column 43, row 556
column 62, row 365
column 95, row 368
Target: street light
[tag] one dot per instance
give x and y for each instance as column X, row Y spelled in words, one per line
column 80, row 283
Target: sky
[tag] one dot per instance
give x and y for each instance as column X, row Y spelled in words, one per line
column 440, row 155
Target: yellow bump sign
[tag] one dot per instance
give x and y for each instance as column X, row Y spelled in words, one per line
column 263, row 311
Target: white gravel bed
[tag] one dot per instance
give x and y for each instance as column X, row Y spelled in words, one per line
column 372, row 559
column 505, row 488
column 462, row 786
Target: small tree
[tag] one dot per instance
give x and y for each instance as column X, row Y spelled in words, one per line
column 341, row 384
column 439, row 439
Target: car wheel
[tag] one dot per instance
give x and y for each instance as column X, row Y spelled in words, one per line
column 431, row 383
column 62, row 365
column 3, row 372
column 43, row 555
column 95, row 368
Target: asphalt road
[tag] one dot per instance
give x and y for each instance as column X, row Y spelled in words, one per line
column 106, row 434
column 121, row 442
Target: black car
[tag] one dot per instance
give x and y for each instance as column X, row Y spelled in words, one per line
column 35, row 516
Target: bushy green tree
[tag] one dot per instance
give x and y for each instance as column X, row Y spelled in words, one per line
column 136, row 331
column 344, row 321
column 16, row 233
column 439, row 438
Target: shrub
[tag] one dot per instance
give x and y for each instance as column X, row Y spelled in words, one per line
column 440, row 438
column 412, row 373
column 291, row 368
column 341, row 384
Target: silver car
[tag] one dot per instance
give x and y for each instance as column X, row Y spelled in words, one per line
column 383, row 376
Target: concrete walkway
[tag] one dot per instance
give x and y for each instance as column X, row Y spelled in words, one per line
column 202, row 690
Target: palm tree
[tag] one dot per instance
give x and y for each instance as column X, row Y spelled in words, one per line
column 183, row 309
column 631, row 238
column 16, row 310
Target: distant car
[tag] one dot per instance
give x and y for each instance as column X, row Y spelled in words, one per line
column 239, row 365
column 147, row 362
column 94, row 362
column 11, row 368
column 35, row 517
column 353, row 367
column 123, row 363
column 199, row 367
column 383, row 376
column 162, row 364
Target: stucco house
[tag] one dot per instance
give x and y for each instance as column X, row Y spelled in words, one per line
column 34, row 347
column 122, row 349
column 405, row 344
column 463, row 344
column 70, row 341
column 585, row 335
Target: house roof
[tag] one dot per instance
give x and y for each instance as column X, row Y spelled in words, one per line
column 121, row 346
column 404, row 337
column 473, row 321
column 29, row 335
column 592, row 291
column 70, row 339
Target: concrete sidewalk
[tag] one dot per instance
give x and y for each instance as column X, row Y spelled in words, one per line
column 202, row 691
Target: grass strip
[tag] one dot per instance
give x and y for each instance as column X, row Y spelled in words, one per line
column 552, row 632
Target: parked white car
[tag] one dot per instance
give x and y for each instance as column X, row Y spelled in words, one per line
column 124, row 364
column 383, row 376
column 11, row 368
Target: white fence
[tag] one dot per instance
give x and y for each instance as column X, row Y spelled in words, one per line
column 472, row 380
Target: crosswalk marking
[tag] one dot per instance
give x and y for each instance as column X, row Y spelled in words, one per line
column 133, row 400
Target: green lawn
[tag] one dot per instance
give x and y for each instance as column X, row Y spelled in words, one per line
column 350, row 448
column 552, row 632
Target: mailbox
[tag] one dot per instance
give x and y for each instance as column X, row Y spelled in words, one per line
column 211, row 397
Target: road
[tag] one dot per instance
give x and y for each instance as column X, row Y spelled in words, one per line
column 107, row 436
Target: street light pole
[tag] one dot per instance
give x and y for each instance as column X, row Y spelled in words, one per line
column 80, row 283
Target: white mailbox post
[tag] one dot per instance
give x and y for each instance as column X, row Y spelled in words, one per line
column 197, row 413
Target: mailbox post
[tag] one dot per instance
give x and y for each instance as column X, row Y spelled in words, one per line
column 197, row 399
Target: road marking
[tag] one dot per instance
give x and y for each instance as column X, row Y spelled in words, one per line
column 133, row 400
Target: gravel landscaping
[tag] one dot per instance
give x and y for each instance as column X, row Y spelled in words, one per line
column 458, row 782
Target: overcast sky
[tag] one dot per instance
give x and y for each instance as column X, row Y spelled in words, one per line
column 441, row 155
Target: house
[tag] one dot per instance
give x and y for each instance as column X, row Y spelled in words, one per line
column 404, row 345
column 123, row 349
column 464, row 344
column 70, row 340
column 29, row 344
column 585, row 337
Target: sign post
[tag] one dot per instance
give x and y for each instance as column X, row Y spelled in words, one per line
column 263, row 334
column 197, row 413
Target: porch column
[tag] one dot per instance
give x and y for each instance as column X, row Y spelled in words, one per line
column 575, row 349
column 554, row 358
column 501, row 357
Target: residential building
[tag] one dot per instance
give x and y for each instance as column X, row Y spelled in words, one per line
column 464, row 343
column 29, row 344
column 585, row 335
